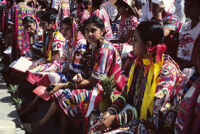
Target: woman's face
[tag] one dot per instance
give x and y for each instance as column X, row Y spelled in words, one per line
column 93, row 33
column 30, row 28
column 138, row 45
column 66, row 30
column 122, row 10
column 46, row 26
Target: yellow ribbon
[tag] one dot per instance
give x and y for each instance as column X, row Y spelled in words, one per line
column 130, row 78
column 148, row 99
column 49, row 55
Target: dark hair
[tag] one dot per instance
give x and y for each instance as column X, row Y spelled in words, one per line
column 68, row 21
column 96, row 4
column 44, row 3
column 49, row 17
column 28, row 19
column 151, row 31
column 96, row 21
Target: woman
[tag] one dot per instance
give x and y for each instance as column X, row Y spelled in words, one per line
column 128, row 24
column 35, row 37
column 20, row 41
column 100, row 57
column 189, row 34
column 159, row 10
column 162, row 11
column 101, row 13
column 188, row 117
column 150, row 86
column 53, row 48
column 75, row 47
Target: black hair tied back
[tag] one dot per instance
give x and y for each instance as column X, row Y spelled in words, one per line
column 151, row 31
column 67, row 21
column 96, row 21
column 49, row 17
column 27, row 19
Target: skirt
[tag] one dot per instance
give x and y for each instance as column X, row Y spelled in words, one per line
column 72, row 102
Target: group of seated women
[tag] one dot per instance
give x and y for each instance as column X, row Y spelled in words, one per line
column 152, row 93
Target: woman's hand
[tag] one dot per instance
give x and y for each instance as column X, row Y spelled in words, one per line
column 57, row 87
column 106, row 123
column 77, row 79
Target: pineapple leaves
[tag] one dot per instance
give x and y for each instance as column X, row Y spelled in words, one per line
column 13, row 89
column 108, row 84
column 17, row 102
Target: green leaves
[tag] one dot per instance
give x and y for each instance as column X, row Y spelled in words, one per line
column 13, row 89
column 108, row 85
column 18, row 102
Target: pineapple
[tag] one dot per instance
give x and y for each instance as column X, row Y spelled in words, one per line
column 108, row 85
column 18, row 103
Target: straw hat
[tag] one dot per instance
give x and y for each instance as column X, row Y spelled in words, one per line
column 131, row 4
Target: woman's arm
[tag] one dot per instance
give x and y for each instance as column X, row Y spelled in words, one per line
column 83, row 83
column 115, row 120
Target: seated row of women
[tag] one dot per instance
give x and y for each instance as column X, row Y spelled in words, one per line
column 154, row 97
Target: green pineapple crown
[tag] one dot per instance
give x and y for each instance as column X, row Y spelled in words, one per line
column 13, row 89
column 108, row 85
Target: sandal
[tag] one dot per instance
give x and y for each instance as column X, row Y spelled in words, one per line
column 27, row 128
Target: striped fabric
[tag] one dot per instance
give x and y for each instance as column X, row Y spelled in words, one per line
column 172, row 22
column 107, row 57
column 108, row 62
column 76, row 65
column 70, row 101
column 15, row 16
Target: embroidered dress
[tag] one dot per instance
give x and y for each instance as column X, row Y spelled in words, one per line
column 111, row 10
column 188, row 110
column 70, row 101
column 15, row 17
column 72, row 54
column 134, row 119
column 36, row 45
column 187, row 38
column 63, row 7
column 125, row 25
column 172, row 22
column 102, row 14
column 52, row 44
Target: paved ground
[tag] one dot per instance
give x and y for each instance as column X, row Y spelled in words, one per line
column 7, row 109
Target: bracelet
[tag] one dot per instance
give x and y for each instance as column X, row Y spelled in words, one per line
column 125, row 118
column 122, row 97
column 112, row 110
column 67, row 84
column 135, row 113
column 120, row 119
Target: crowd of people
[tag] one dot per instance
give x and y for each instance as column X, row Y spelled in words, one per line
column 151, row 49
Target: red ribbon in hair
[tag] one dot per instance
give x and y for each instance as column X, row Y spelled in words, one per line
column 159, row 49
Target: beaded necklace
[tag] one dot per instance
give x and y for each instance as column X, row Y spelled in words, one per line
column 89, row 57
